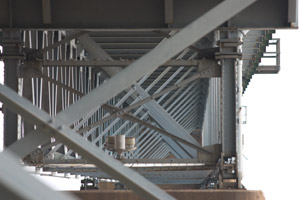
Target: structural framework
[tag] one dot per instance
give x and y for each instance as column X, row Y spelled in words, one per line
column 168, row 73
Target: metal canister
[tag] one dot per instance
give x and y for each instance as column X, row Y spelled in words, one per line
column 129, row 143
column 120, row 142
column 110, row 142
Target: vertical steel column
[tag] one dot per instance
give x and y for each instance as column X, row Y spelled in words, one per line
column 230, row 55
column 11, row 52
column 27, row 78
column 229, row 99
column 239, row 77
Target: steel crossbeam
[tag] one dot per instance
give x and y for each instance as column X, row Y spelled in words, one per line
column 118, row 63
column 128, row 161
column 157, row 175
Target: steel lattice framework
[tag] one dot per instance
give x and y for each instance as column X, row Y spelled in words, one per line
column 168, row 73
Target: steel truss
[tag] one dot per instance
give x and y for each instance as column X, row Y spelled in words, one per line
column 158, row 86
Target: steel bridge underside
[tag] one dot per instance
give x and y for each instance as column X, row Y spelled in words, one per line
column 168, row 73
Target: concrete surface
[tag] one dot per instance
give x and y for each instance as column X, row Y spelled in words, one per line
column 179, row 194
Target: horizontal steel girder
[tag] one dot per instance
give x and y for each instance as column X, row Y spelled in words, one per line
column 156, row 175
column 147, row 168
column 146, row 14
column 128, row 161
column 122, row 63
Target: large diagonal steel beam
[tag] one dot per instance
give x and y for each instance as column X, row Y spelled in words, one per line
column 168, row 123
column 63, row 133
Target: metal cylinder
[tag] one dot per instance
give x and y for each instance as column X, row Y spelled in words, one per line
column 110, row 142
column 120, row 142
column 129, row 143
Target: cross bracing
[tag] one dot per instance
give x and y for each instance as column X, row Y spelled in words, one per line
column 175, row 90
column 160, row 79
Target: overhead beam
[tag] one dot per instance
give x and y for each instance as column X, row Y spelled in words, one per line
column 169, row 16
column 46, row 8
column 58, row 130
column 151, row 15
